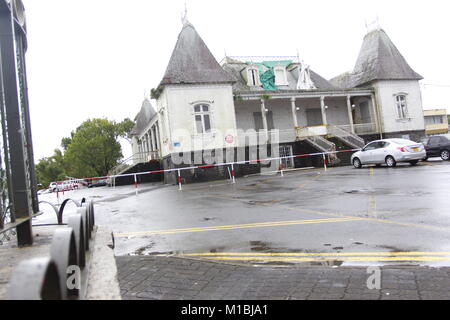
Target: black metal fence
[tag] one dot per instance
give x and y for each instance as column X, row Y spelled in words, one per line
column 18, row 187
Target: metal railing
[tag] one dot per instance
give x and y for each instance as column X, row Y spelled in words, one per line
column 139, row 157
column 18, row 194
column 324, row 145
column 346, row 136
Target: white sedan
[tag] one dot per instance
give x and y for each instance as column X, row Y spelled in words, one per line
column 389, row 152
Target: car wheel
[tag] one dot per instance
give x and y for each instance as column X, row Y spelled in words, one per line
column 413, row 163
column 357, row 163
column 445, row 155
column 390, row 162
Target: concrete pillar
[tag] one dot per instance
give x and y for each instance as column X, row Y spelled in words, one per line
column 264, row 119
column 324, row 113
column 376, row 115
column 157, row 137
column 350, row 114
column 294, row 112
column 150, row 141
column 153, row 131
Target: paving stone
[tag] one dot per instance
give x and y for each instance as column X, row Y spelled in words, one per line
column 154, row 277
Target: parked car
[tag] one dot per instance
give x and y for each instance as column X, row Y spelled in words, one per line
column 438, row 146
column 64, row 186
column 98, row 183
column 389, row 152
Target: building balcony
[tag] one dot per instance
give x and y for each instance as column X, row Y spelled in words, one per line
column 439, row 128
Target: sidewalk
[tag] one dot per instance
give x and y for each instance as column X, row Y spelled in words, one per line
column 173, row 278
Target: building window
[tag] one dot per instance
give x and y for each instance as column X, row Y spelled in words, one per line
column 401, row 106
column 280, row 76
column 434, row 120
column 202, row 114
column 253, row 77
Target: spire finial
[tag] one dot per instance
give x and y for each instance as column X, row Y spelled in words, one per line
column 184, row 18
column 374, row 25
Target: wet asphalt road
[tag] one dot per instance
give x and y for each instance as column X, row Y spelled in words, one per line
column 338, row 217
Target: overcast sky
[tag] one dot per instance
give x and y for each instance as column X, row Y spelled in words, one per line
column 97, row 58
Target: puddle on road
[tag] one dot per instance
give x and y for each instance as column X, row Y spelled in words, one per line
column 262, row 203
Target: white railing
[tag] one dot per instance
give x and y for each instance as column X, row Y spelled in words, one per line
column 250, row 138
column 346, row 136
column 321, row 143
column 361, row 128
column 305, row 132
column 140, row 157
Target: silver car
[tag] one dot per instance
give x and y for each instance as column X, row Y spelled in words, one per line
column 389, row 152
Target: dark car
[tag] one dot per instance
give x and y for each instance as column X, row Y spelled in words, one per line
column 438, row 146
column 98, row 183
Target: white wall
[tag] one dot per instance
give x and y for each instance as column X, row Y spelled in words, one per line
column 385, row 93
column 178, row 102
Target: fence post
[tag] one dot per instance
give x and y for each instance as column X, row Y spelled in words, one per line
column 324, row 162
column 179, row 179
column 135, row 183
column 232, row 173
column 281, row 167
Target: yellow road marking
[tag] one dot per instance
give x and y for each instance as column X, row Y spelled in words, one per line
column 372, row 210
column 321, row 254
column 385, row 259
column 238, row 226
column 321, row 213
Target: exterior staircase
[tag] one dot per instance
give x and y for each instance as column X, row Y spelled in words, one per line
column 346, row 137
column 322, row 144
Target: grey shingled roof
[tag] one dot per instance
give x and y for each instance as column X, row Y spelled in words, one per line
column 235, row 67
column 143, row 118
column 379, row 59
column 192, row 62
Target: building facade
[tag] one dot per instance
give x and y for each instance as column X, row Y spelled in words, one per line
column 436, row 121
column 243, row 102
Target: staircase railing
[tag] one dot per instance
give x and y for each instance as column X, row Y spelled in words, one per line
column 139, row 157
column 324, row 145
column 346, row 136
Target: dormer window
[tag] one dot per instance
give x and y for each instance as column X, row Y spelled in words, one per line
column 253, row 76
column 280, row 76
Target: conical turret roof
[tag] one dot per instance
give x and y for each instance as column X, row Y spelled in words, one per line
column 379, row 59
column 143, row 118
column 192, row 62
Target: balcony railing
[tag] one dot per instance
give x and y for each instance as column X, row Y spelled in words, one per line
column 250, row 138
column 361, row 128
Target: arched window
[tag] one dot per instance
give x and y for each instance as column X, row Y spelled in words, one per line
column 202, row 114
column 401, row 106
column 253, row 76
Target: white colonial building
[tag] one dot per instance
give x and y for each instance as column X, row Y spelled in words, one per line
column 202, row 105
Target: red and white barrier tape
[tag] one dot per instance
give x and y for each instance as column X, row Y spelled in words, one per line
column 219, row 165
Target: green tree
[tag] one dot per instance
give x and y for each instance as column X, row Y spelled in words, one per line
column 124, row 129
column 93, row 149
column 51, row 169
